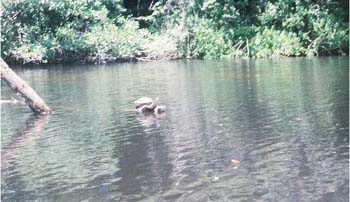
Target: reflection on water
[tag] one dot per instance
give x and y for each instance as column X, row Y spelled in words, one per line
column 285, row 120
column 150, row 119
column 23, row 138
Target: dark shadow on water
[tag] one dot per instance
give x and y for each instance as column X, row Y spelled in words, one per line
column 340, row 195
column 141, row 158
column 23, row 137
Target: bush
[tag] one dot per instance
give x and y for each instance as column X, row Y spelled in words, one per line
column 167, row 43
column 34, row 53
column 56, row 30
column 130, row 39
column 52, row 28
column 271, row 42
column 110, row 42
column 327, row 35
column 208, row 42
column 319, row 25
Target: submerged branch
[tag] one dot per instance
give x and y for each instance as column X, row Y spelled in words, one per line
column 12, row 101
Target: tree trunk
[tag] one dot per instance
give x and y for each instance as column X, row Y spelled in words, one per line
column 20, row 86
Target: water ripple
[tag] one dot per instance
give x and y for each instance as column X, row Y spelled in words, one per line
column 234, row 130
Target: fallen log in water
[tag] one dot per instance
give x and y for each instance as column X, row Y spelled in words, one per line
column 20, row 86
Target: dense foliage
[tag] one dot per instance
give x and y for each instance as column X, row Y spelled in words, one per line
column 107, row 30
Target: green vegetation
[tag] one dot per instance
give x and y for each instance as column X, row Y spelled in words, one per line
column 56, row 31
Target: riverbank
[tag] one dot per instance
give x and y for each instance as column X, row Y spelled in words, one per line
column 48, row 32
column 81, row 60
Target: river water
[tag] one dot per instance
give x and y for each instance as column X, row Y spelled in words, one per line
column 286, row 121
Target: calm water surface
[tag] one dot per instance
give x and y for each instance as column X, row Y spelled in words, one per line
column 286, row 121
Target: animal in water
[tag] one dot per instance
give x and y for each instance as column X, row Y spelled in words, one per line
column 159, row 109
column 146, row 104
column 143, row 101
